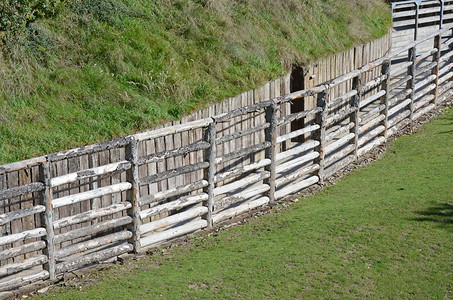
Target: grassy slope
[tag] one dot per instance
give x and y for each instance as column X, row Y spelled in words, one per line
column 106, row 68
column 383, row 232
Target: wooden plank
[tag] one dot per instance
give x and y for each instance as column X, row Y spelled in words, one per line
column 174, row 219
column 296, row 187
column 162, row 132
column 93, row 258
column 174, row 205
column 93, row 244
column 247, row 206
column 21, row 236
column 67, row 200
column 94, row 229
column 250, row 179
column 23, row 281
column 27, row 264
column 87, row 173
column 91, row 215
column 173, row 232
column 18, row 214
column 153, row 198
column 27, row 248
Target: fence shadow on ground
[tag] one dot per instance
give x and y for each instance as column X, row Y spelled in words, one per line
column 441, row 214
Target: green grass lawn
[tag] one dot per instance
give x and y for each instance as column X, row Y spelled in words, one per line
column 385, row 231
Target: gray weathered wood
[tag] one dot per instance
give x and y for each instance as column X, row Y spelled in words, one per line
column 296, row 175
column 400, row 96
column 246, row 195
column 243, row 182
column 174, row 219
column 241, row 170
column 133, row 194
column 21, row 236
column 174, row 205
column 158, row 157
column 371, row 124
column 400, row 106
column 297, row 150
column 340, row 131
column 242, row 133
column 372, row 114
column 91, row 215
column 234, row 211
column 435, row 71
column 23, row 249
column 271, row 152
column 93, row 258
column 243, row 152
column 22, row 281
column 93, row 229
column 47, row 218
column 296, row 133
column 340, row 116
column 20, row 165
column 174, row 172
column 337, row 144
column 27, row 264
column 228, row 116
column 424, row 111
column 162, row 132
column 370, row 135
column 296, row 187
column 21, row 190
column 341, row 164
column 428, row 98
column 405, row 80
column 173, row 232
column 386, row 66
column 297, row 161
column 18, row 214
column 71, row 199
column 96, row 148
column 153, row 198
column 209, row 173
column 296, row 116
column 354, row 118
column 339, row 155
column 73, row 177
column 343, row 98
column 93, row 244
column 380, row 140
column 398, row 118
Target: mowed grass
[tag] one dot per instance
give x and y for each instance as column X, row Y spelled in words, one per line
column 100, row 69
column 385, row 231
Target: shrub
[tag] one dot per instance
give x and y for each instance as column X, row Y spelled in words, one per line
column 15, row 15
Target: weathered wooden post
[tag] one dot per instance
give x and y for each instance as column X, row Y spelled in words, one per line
column 270, row 152
column 385, row 71
column 412, row 57
column 47, row 218
column 133, row 194
column 321, row 133
column 209, row 173
column 435, row 71
column 356, row 85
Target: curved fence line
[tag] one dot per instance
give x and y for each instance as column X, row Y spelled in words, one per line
column 70, row 209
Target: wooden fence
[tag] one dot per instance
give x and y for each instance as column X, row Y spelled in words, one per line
column 70, row 209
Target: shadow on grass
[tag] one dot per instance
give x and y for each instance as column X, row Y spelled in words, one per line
column 442, row 214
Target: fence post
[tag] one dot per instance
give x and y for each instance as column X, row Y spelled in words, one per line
column 356, row 85
column 435, row 71
column 411, row 84
column 209, row 173
column 321, row 133
column 270, row 153
column 47, row 218
column 385, row 70
column 133, row 194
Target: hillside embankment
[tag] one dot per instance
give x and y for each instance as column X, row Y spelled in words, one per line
column 80, row 72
